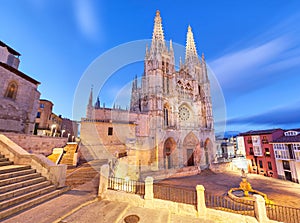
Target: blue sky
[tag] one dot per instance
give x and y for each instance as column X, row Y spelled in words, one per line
column 253, row 48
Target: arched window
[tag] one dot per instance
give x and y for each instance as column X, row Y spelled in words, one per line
column 166, row 116
column 11, row 91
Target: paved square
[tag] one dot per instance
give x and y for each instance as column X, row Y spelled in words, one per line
column 282, row 192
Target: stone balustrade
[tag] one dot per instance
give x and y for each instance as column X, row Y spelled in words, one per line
column 199, row 210
column 55, row 173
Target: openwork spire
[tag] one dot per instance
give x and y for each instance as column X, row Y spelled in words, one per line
column 190, row 49
column 158, row 33
column 158, row 40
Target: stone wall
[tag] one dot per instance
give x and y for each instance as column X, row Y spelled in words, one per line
column 37, row 144
column 54, row 173
column 18, row 114
column 224, row 167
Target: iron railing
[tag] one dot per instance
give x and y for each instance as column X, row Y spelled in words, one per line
column 176, row 194
column 224, row 203
column 283, row 213
column 130, row 186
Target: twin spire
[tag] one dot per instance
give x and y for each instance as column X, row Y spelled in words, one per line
column 158, row 40
column 158, row 33
column 190, row 49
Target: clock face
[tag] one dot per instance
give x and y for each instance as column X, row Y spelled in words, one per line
column 184, row 113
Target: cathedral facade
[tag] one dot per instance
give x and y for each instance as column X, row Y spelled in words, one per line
column 170, row 123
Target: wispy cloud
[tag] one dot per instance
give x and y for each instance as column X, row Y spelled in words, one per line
column 246, row 68
column 281, row 116
column 86, row 18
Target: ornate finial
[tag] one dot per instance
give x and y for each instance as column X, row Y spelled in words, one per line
column 189, row 28
column 203, row 58
column 157, row 13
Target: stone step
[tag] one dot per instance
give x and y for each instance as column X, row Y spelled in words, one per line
column 3, row 159
column 19, row 179
column 13, row 168
column 6, row 163
column 18, row 185
column 17, row 200
column 30, row 203
column 16, row 173
column 23, row 190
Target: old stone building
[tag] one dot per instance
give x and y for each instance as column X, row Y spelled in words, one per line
column 19, row 96
column 170, row 123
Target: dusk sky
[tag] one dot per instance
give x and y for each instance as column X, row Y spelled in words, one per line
column 252, row 47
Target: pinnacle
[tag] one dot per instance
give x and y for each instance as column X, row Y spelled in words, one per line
column 190, row 50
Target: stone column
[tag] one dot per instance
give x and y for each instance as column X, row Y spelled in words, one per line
column 103, row 183
column 148, row 188
column 260, row 209
column 201, row 207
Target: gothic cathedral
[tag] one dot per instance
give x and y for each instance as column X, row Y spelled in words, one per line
column 170, row 122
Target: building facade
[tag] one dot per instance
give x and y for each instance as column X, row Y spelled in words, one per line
column 259, row 151
column 69, row 129
column 287, row 155
column 19, row 95
column 42, row 117
column 170, row 121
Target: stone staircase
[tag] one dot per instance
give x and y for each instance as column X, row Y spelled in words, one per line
column 68, row 155
column 21, row 187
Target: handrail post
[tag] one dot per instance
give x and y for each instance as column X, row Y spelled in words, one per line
column 201, row 207
column 149, row 188
column 260, row 209
column 103, row 182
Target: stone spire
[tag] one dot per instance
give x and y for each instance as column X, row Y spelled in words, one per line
column 158, row 33
column 204, row 69
column 97, row 104
column 190, row 49
column 90, row 104
column 135, row 83
column 89, row 109
column 171, row 46
column 158, row 39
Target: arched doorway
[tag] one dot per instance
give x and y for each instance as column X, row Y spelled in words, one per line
column 191, row 145
column 169, row 156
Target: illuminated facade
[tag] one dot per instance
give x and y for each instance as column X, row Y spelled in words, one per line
column 259, row 151
column 19, row 96
column 170, row 122
column 287, row 155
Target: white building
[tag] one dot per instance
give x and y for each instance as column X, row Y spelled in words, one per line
column 287, row 154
